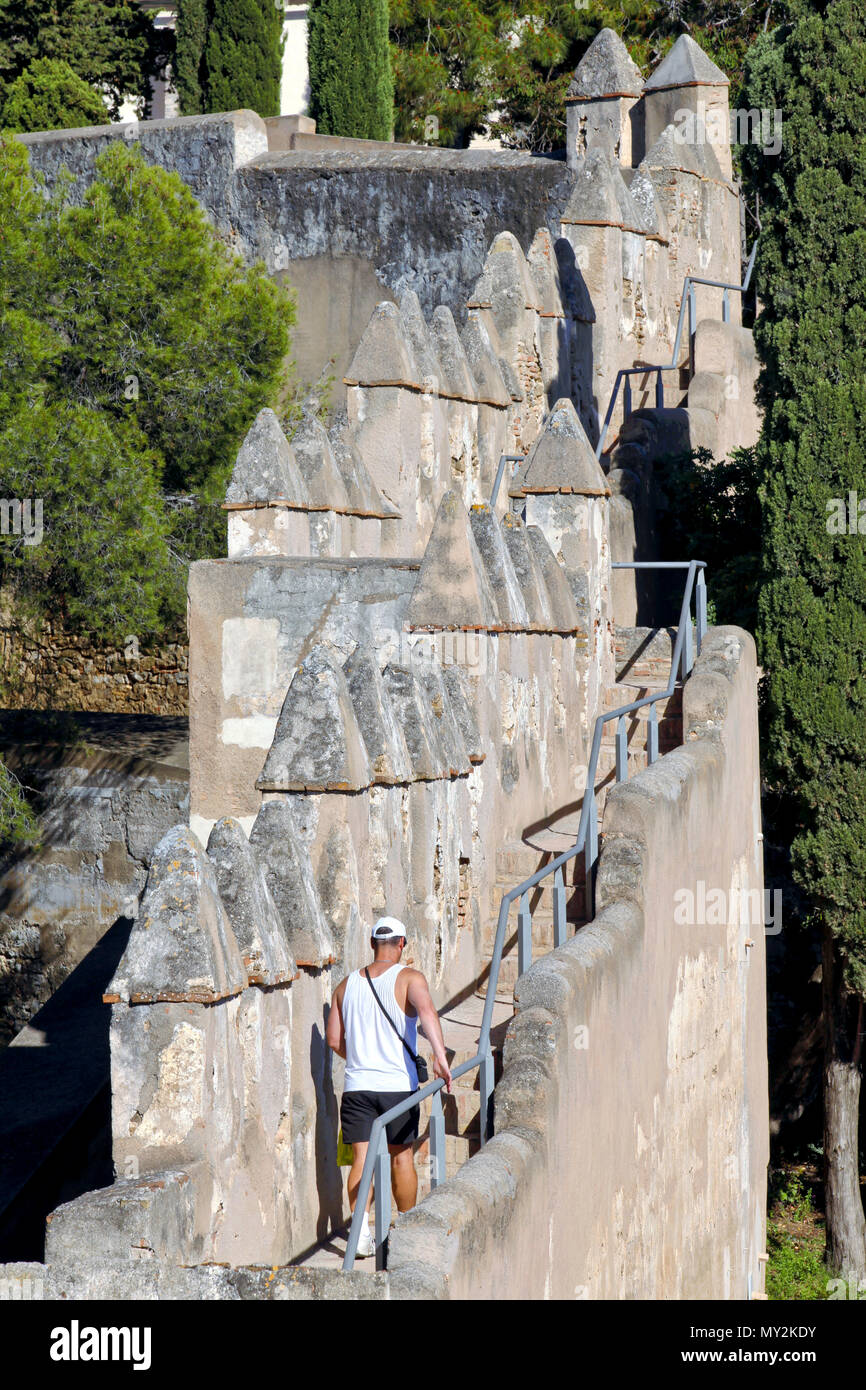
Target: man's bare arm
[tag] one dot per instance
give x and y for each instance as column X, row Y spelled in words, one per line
column 420, row 999
column 335, row 1033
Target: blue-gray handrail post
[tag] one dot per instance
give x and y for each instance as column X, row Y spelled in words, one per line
column 586, row 841
column 687, row 305
column 558, row 908
column 524, row 935
column 503, row 459
column 437, row 1141
column 382, row 1199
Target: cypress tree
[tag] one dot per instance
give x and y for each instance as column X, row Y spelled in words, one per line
column 243, row 56
column 351, row 84
column 811, row 336
column 190, row 39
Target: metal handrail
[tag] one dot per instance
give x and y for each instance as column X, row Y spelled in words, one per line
column 377, row 1157
column 688, row 298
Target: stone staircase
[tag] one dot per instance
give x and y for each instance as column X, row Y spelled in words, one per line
column 643, row 663
column 643, row 666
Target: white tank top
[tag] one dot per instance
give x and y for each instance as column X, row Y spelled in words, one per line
column 376, row 1060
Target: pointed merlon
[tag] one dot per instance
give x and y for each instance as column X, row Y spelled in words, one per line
column 528, row 571
column 318, row 465
column 384, row 357
column 487, row 533
column 505, row 285
column 562, row 458
column 420, row 342
column 380, row 729
column 457, row 382
column 463, row 713
column 365, row 499
column 563, row 610
column 439, row 705
column 266, row 470
column 291, row 883
column 182, row 947
column 429, row 760
column 544, row 269
column 317, row 743
column 687, row 65
column 643, row 195
column 249, row 905
column 452, row 590
column 672, row 151
column 484, row 364
column 574, row 289
column 605, row 70
column 599, row 196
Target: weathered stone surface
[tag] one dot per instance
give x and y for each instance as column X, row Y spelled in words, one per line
column 384, row 356
column 686, row 65
column 439, row 705
column 363, row 496
column 605, row 70
column 457, row 380
column 420, row 342
column 411, row 709
column 251, row 909
column 464, row 714
column 318, row 466
column 317, row 744
column 266, row 469
column 125, row 1280
column 527, row 570
column 652, row 214
column 143, row 1216
column 505, row 285
column 544, row 269
column 510, row 604
column 563, row 611
column 599, row 197
column 289, row 876
column 380, row 730
column 182, row 946
column 562, row 459
column 453, row 590
column 484, row 364
column 671, row 152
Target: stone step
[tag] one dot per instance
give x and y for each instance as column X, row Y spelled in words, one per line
column 625, row 693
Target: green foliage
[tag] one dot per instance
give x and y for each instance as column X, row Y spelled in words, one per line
column 134, row 353
column 190, row 39
column 243, row 56
column 462, row 63
column 711, row 511
column 110, row 44
column 49, row 96
column 795, row 1240
column 229, row 56
column 351, row 83
column 811, row 340
column 18, row 824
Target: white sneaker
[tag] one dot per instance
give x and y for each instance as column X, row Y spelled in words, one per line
column 366, row 1245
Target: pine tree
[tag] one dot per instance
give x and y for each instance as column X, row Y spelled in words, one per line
column 811, row 336
column 351, row 85
column 49, row 96
column 243, row 56
column 110, row 44
column 190, row 38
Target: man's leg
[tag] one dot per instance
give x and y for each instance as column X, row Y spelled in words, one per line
column 404, row 1179
column 359, row 1153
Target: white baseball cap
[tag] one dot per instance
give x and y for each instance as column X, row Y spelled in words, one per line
column 388, row 929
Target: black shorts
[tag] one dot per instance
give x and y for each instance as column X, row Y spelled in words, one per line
column 358, row 1110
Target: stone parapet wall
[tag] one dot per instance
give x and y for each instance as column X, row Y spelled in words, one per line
column 631, row 1145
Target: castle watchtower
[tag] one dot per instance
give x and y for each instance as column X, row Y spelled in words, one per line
column 688, row 91
column 603, row 108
